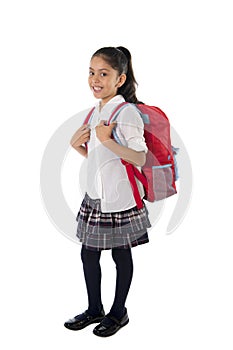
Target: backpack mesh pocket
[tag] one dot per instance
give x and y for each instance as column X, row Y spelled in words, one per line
column 163, row 181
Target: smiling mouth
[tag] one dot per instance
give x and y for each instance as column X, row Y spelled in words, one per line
column 97, row 88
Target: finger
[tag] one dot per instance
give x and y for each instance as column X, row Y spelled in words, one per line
column 86, row 131
column 77, row 137
column 81, row 140
column 113, row 124
column 86, row 139
column 84, row 127
column 103, row 122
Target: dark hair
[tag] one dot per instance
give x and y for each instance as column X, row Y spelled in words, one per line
column 119, row 58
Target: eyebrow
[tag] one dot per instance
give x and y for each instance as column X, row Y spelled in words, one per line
column 100, row 69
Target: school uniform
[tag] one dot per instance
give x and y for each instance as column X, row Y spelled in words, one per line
column 108, row 217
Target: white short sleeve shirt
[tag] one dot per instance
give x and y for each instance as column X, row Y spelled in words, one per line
column 107, row 179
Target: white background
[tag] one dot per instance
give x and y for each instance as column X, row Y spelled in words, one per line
column 181, row 295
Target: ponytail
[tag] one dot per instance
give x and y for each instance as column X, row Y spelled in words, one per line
column 128, row 89
column 119, row 58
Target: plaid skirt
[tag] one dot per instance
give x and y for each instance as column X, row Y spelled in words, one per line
column 100, row 231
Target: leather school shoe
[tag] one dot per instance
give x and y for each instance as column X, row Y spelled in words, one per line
column 83, row 320
column 110, row 325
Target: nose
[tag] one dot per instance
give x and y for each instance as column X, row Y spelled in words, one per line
column 95, row 78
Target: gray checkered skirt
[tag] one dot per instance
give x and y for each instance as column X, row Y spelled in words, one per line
column 98, row 231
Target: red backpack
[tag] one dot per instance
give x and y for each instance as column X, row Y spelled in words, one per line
column 159, row 173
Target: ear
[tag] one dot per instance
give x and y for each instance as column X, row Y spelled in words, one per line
column 121, row 81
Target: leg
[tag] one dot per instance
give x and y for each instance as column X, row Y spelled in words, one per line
column 124, row 266
column 92, row 274
column 118, row 317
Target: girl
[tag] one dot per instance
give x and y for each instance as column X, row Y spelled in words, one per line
column 108, row 217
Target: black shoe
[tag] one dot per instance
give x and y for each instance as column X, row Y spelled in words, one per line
column 110, row 325
column 83, row 320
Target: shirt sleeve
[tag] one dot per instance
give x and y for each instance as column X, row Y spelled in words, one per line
column 130, row 129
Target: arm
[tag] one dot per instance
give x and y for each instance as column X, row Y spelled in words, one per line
column 82, row 150
column 81, row 136
column 104, row 132
column 128, row 154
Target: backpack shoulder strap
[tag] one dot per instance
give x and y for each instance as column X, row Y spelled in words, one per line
column 117, row 111
column 113, row 117
column 86, row 121
column 131, row 170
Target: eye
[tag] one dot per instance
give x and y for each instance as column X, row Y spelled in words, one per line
column 91, row 73
column 103, row 74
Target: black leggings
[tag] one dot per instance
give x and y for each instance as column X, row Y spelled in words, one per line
column 92, row 273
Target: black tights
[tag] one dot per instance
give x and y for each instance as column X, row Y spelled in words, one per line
column 92, row 273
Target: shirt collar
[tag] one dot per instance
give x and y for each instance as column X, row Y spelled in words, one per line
column 115, row 100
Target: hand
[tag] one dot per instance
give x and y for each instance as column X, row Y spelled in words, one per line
column 81, row 136
column 103, row 131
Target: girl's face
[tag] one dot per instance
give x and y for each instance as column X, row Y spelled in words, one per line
column 104, row 80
